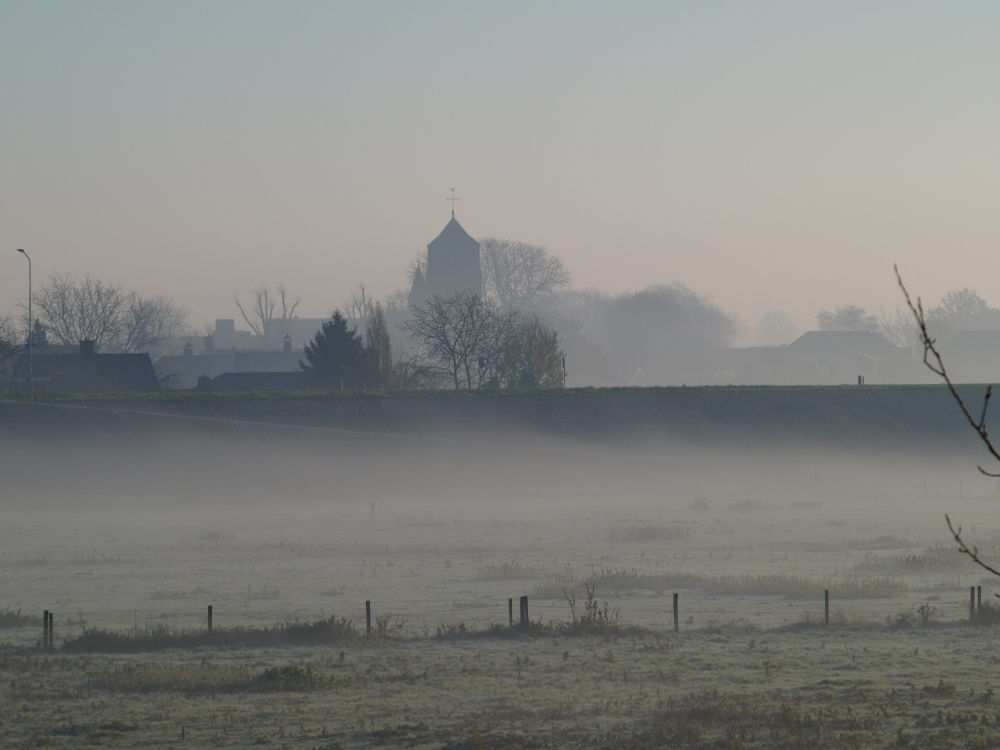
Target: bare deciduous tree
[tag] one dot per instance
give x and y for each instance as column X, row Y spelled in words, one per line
column 150, row 320
column 75, row 311
column 114, row 318
column 534, row 356
column 359, row 306
column 517, row 274
column 265, row 311
column 462, row 336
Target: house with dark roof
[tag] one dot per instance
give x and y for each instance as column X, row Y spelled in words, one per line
column 184, row 370
column 839, row 357
column 821, row 358
column 86, row 371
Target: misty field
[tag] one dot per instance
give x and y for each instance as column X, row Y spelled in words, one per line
column 289, row 663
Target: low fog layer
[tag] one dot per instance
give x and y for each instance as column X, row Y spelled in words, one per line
column 494, row 471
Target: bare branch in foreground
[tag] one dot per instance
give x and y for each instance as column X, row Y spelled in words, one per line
column 935, row 363
column 965, row 549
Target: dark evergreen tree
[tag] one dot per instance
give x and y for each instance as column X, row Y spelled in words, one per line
column 334, row 355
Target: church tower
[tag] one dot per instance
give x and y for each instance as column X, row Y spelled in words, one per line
column 453, row 264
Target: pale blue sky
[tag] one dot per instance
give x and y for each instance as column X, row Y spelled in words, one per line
column 774, row 155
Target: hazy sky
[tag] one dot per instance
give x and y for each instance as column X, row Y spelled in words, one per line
column 772, row 155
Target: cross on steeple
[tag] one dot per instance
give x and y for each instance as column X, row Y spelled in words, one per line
column 453, row 198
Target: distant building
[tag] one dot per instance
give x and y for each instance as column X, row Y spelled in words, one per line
column 819, row 358
column 184, row 370
column 227, row 337
column 453, row 266
column 86, row 371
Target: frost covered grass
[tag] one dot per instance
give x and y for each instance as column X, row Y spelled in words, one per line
column 719, row 687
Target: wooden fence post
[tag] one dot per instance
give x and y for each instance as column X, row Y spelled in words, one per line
column 52, row 637
column 510, row 611
column 677, row 615
column 979, row 599
column 368, row 619
column 209, row 619
column 45, row 629
column 524, row 612
column 826, row 607
column 972, row 603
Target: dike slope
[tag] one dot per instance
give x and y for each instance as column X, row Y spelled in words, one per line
column 898, row 416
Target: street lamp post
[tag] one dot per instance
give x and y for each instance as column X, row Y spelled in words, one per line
column 31, row 363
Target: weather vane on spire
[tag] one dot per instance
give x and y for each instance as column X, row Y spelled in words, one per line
column 453, row 198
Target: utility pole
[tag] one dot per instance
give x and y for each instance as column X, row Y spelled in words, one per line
column 31, row 361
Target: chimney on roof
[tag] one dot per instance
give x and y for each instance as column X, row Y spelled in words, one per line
column 87, row 348
column 287, row 344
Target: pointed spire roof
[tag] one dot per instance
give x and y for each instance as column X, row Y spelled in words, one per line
column 452, row 233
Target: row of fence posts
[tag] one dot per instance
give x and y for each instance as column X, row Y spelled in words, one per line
column 975, row 606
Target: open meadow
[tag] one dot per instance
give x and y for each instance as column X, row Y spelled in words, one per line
column 599, row 547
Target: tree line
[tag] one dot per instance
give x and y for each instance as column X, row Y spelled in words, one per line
column 522, row 332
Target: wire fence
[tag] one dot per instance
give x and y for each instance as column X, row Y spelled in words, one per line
column 410, row 618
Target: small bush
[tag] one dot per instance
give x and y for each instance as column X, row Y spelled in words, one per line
column 594, row 618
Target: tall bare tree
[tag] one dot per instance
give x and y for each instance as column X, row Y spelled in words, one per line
column 270, row 312
column 114, row 318
column 82, row 310
column 517, row 274
column 378, row 348
column 150, row 320
column 359, row 306
column 534, row 356
column 463, row 336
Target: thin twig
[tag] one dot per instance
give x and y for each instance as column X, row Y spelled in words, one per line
column 965, row 549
